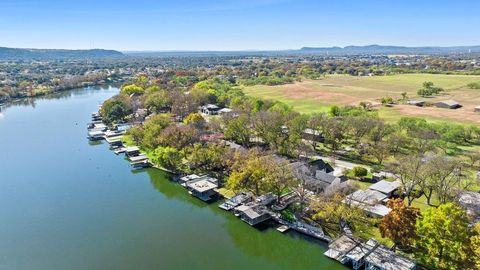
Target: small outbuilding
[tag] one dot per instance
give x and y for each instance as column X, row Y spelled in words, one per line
column 476, row 109
column 419, row 103
column 132, row 151
column 203, row 188
column 253, row 213
column 448, row 104
column 210, row 109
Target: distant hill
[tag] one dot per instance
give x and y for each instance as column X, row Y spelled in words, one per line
column 349, row 50
column 18, row 54
column 379, row 49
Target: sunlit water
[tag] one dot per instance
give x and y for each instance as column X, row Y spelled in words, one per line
column 68, row 204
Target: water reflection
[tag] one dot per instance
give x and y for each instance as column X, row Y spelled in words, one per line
column 61, row 95
column 287, row 251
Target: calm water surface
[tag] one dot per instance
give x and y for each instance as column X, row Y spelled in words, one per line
column 68, row 204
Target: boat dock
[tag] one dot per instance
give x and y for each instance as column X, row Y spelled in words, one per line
column 304, row 228
column 283, row 228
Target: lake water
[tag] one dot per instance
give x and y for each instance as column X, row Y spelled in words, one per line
column 68, row 204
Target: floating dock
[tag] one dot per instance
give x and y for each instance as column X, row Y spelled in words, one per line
column 283, row 228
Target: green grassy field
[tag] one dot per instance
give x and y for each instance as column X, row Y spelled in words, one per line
column 317, row 96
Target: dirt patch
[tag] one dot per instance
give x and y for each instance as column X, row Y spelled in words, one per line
column 462, row 115
column 305, row 91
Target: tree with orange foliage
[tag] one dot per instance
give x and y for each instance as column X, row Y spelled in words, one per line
column 399, row 224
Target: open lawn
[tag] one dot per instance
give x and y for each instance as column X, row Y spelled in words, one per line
column 318, row 95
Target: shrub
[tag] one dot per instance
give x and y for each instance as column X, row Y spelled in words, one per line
column 359, row 171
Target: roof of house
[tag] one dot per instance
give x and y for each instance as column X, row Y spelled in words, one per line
column 242, row 207
column 138, row 158
column 211, row 107
column 471, row 202
column 360, row 251
column 374, row 209
column 225, row 110
column 344, row 243
column 189, row 177
column 449, row 102
column 325, row 177
column 385, row 187
column 202, row 185
column 132, row 149
column 368, row 196
column 254, row 212
column 389, row 260
column 414, row 101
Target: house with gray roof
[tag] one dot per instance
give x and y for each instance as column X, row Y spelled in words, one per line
column 371, row 254
column 448, row 104
column 386, row 187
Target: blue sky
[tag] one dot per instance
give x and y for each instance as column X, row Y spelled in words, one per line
column 236, row 25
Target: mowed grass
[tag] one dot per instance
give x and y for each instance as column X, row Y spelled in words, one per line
column 318, row 95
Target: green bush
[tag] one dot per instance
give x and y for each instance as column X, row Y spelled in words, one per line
column 359, row 171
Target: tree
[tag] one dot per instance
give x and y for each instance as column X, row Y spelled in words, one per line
column 168, row 157
column 442, row 178
column 153, row 128
column 334, row 132
column 359, row 171
column 132, row 89
column 280, row 177
column 137, row 133
column 183, row 105
column 396, row 141
column 178, row 136
column 248, row 173
column 360, row 126
column 379, row 151
column 475, row 240
column 399, row 224
column 213, row 158
column 115, row 109
column 196, row 120
column 444, row 237
column 411, row 170
column 158, row 101
column 330, row 211
column 237, row 129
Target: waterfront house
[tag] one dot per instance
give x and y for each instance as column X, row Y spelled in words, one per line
column 381, row 258
column 241, row 198
column 448, row 104
column 316, row 175
column 138, row 158
column 371, row 201
column 96, row 135
column 353, row 251
column 132, row 151
column 187, row 178
column 203, row 188
column 266, row 199
column 419, row 103
column 210, row 109
column 252, row 213
column 98, row 127
column 114, row 142
column 96, row 116
column 348, row 250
